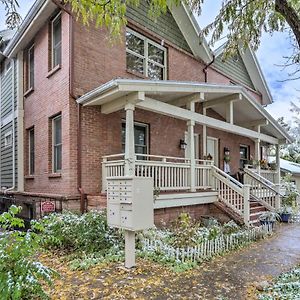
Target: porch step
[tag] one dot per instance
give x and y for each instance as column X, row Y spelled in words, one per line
column 256, row 209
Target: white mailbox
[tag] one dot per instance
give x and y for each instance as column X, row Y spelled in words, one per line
column 130, row 203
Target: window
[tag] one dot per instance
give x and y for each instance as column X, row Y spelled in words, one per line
column 145, row 56
column 140, row 138
column 244, row 156
column 8, row 139
column 56, row 144
column 56, row 41
column 31, row 151
column 30, row 68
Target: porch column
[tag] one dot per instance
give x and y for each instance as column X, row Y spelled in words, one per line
column 129, row 141
column 277, row 178
column 257, row 154
column 191, row 154
column 204, row 136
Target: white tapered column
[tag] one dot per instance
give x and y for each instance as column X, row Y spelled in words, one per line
column 204, row 136
column 129, row 140
column 191, row 154
column 257, row 154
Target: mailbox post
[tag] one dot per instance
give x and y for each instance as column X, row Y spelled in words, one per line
column 130, row 206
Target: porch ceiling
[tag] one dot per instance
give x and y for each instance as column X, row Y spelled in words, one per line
column 246, row 111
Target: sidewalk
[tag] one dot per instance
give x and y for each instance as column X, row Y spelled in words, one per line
column 228, row 277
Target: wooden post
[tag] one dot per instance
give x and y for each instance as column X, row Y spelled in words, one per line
column 129, row 141
column 246, row 193
column 277, row 197
column 204, row 136
column 277, row 176
column 104, row 175
column 229, row 112
column 129, row 249
column 191, row 147
column 257, row 154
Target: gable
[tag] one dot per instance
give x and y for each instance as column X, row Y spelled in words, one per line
column 165, row 26
column 234, row 68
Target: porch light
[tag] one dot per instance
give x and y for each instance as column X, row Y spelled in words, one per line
column 182, row 144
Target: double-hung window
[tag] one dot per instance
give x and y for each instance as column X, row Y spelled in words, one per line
column 31, row 151
column 145, row 57
column 56, row 144
column 30, row 68
column 56, row 41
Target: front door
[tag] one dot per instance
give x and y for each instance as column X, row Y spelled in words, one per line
column 212, row 149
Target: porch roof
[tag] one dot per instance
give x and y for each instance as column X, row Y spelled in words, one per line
column 247, row 113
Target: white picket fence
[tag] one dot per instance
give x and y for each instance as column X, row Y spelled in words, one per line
column 208, row 248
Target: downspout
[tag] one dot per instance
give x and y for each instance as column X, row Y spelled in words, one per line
column 206, row 67
column 83, row 202
column 13, row 130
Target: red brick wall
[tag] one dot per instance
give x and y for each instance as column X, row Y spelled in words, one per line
column 50, row 97
column 101, row 134
column 96, row 61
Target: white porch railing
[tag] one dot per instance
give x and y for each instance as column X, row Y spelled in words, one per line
column 233, row 193
column 263, row 189
column 270, row 175
column 168, row 173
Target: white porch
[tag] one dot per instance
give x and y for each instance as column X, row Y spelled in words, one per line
column 242, row 114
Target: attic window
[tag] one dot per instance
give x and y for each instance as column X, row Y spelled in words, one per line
column 145, row 57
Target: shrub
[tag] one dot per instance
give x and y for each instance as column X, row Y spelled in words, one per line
column 88, row 233
column 21, row 277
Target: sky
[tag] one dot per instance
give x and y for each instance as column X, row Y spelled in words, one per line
column 270, row 56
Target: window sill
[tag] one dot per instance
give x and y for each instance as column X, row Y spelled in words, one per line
column 28, row 92
column 53, row 71
column 54, row 175
column 29, row 177
column 136, row 74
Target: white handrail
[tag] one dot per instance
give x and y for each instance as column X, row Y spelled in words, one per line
column 228, row 176
column 259, row 177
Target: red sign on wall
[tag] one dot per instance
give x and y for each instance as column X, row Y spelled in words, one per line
column 47, row 206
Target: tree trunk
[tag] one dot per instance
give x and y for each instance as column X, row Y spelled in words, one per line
column 290, row 15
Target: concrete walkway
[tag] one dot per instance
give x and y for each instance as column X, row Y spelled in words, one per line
column 233, row 275
column 229, row 277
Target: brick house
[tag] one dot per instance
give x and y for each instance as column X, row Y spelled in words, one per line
column 158, row 103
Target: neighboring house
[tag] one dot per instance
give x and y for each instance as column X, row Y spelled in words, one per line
column 8, row 119
column 158, row 104
column 293, row 168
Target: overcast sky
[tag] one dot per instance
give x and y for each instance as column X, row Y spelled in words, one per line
column 270, row 55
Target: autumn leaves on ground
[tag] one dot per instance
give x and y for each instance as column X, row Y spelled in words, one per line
column 235, row 275
column 83, row 258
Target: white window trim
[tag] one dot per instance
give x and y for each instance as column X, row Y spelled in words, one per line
column 53, row 152
column 52, row 39
column 29, row 84
column 29, row 154
column 7, row 134
column 145, row 56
